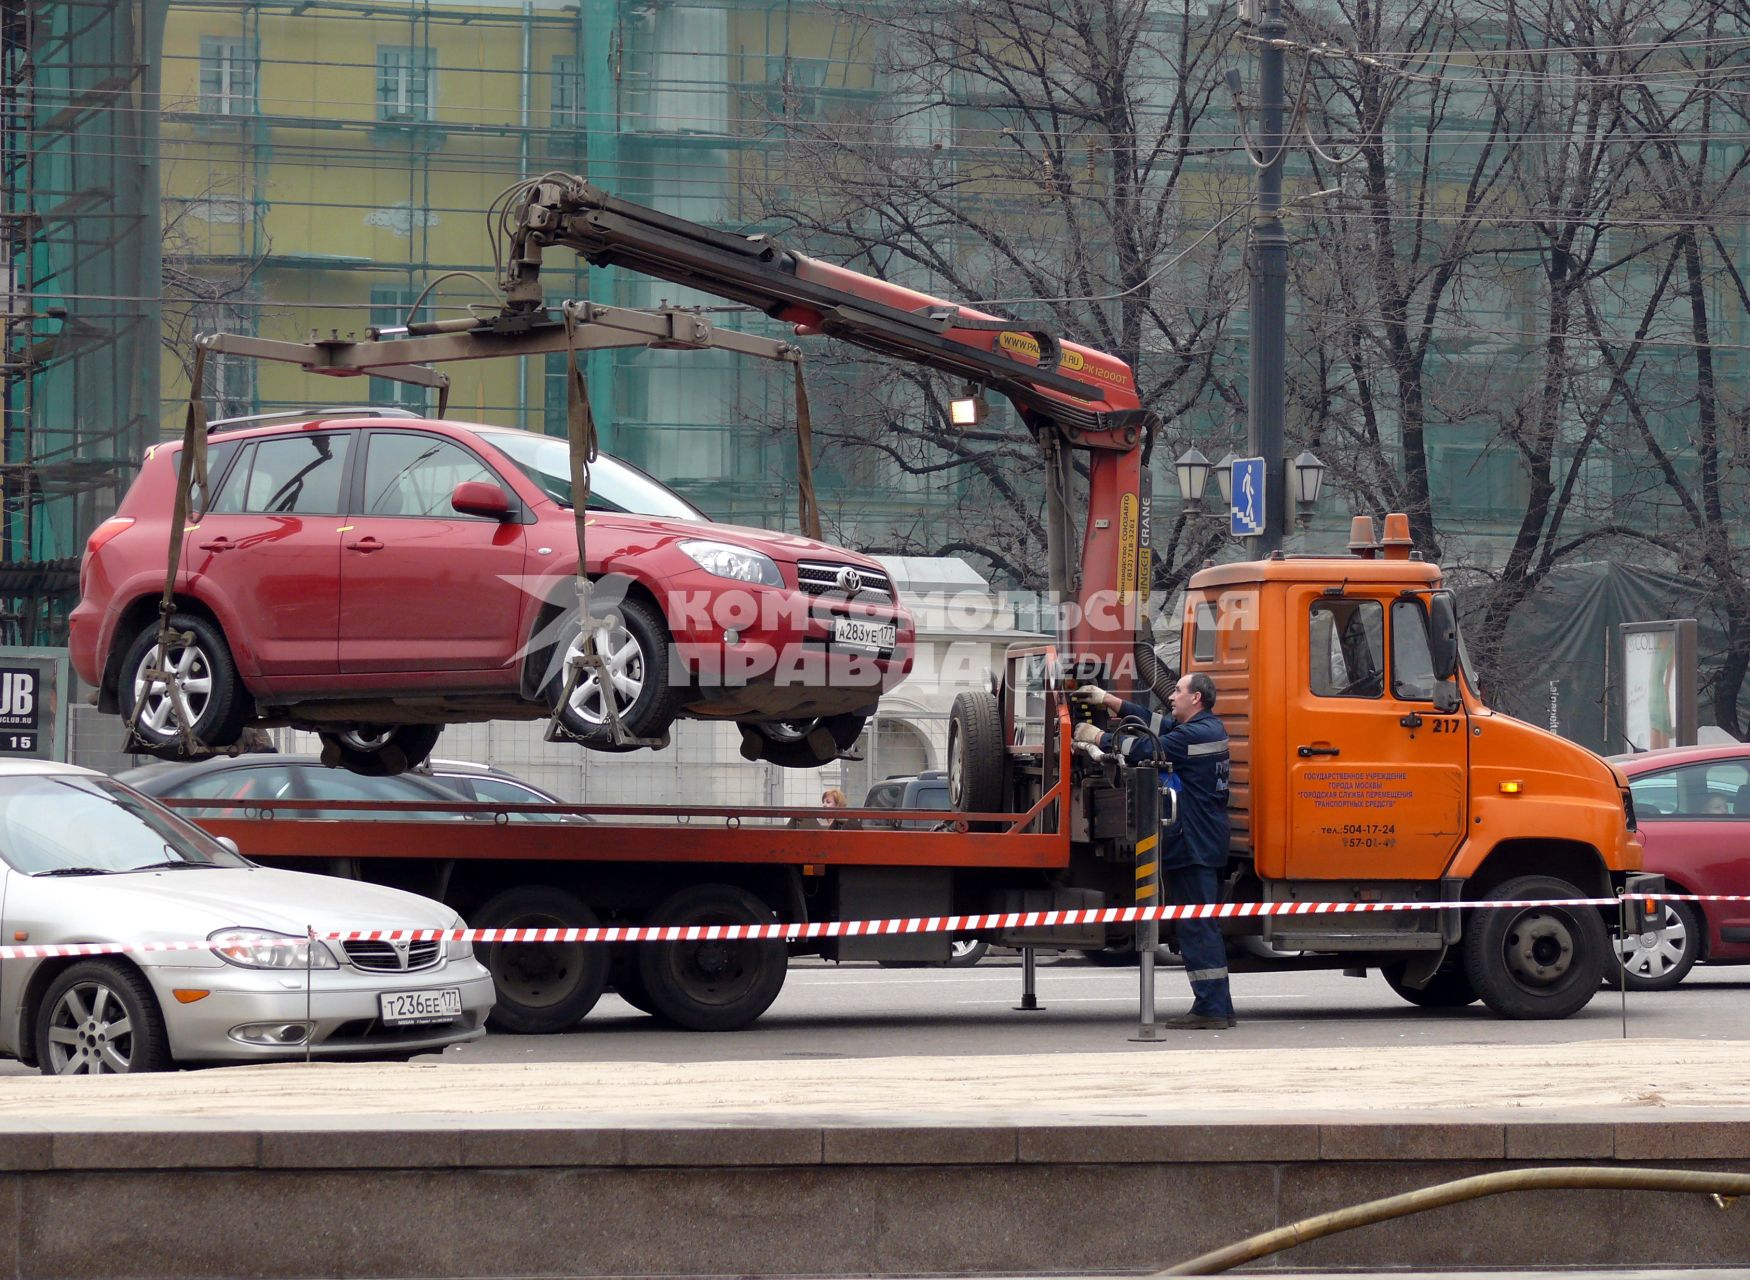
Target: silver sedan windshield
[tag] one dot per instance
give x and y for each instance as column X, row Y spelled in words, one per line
column 69, row 825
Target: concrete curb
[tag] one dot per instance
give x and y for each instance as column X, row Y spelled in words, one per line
column 446, row 1197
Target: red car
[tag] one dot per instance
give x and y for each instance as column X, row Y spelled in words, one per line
column 1693, row 808
column 374, row 576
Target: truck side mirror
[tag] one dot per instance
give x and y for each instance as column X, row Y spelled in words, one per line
column 1446, row 699
column 1443, row 635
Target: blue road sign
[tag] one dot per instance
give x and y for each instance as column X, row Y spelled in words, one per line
column 1246, row 513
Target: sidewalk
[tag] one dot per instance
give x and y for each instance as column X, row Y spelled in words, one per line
column 1605, row 1079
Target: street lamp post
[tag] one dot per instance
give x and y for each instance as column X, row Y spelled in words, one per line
column 1269, row 284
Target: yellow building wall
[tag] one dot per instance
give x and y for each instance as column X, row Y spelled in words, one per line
column 314, row 201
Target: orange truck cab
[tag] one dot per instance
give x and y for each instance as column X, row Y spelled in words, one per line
column 1368, row 768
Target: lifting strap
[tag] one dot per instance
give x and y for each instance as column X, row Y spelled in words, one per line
column 191, row 475
column 808, row 508
column 581, row 428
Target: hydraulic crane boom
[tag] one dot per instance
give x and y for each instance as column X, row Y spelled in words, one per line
column 1068, row 394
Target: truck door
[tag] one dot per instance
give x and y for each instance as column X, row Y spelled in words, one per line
column 1376, row 773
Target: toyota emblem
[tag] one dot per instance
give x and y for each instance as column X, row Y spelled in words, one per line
column 850, row 581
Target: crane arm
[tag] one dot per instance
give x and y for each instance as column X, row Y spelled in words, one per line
column 1088, row 395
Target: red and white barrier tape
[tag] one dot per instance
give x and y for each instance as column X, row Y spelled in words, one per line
column 855, row 928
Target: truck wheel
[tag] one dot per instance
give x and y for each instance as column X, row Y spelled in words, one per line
column 374, row 751
column 1449, row 988
column 213, row 694
column 1535, row 962
column 976, row 754
column 1667, row 960
column 542, row 987
column 794, row 744
column 712, row 985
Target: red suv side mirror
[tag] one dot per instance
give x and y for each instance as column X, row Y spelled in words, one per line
column 478, row 498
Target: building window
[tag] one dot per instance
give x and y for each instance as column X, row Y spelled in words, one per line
column 389, row 305
column 553, row 417
column 794, row 87
column 404, row 82
column 227, row 77
column 567, row 94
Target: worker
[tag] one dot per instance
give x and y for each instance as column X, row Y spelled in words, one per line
column 1194, row 852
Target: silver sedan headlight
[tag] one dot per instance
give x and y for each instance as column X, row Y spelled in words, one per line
column 727, row 560
column 264, row 949
column 458, row 950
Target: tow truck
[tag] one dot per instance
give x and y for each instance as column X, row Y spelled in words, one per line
column 1367, row 766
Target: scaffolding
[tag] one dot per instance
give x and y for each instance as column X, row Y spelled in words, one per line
column 78, row 89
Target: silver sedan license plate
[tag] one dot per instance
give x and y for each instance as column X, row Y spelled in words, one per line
column 856, row 634
column 418, row 1008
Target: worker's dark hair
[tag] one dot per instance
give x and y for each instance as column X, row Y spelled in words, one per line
column 1204, row 688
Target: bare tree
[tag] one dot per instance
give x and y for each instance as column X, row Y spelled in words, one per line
column 1681, row 449
column 1384, row 269
column 1048, row 162
column 1578, row 162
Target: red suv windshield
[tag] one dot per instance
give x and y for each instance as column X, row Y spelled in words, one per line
column 613, row 485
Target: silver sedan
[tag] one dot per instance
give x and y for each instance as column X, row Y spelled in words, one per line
column 89, row 860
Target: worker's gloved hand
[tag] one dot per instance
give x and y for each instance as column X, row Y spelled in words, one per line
column 1085, row 732
column 1091, row 695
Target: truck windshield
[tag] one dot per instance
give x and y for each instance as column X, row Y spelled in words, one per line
column 613, row 485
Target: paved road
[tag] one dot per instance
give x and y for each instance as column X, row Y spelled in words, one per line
column 860, row 1010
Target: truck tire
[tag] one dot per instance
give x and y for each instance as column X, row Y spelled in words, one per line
column 712, row 985
column 1449, row 988
column 1535, row 962
column 542, row 988
column 976, row 754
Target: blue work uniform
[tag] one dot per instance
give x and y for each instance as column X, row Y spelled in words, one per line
column 1195, row 853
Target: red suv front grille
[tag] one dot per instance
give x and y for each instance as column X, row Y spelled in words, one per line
column 825, row 577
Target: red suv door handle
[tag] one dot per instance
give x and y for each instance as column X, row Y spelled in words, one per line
column 220, row 543
column 365, row 544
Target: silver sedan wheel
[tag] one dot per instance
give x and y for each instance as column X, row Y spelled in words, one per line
column 90, row 1032
column 192, row 669
column 625, row 659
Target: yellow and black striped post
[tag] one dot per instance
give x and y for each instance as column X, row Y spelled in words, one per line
column 1148, row 932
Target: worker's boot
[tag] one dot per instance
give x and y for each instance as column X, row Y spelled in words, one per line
column 1195, row 1021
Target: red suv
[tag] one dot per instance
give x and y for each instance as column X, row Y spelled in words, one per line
column 373, row 576
column 1692, row 805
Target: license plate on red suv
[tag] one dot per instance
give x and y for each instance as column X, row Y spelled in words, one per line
column 854, row 633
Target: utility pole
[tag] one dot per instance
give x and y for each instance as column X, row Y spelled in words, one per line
column 1268, row 259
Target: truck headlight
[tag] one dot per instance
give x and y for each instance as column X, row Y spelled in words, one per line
column 727, row 560
column 264, row 949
